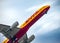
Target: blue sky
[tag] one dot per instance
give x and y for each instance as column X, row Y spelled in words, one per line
column 46, row 29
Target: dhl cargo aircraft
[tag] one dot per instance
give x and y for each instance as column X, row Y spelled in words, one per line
column 16, row 34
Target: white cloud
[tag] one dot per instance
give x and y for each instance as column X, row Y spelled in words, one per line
column 34, row 8
column 50, row 23
column 2, row 37
column 47, row 27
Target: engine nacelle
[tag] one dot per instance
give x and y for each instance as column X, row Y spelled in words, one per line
column 14, row 25
column 31, row 38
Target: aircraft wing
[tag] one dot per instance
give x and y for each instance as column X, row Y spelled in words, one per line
column 3, row 30
column 9, row 31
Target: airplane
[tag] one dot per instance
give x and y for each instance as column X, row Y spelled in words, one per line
column 17, row 34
